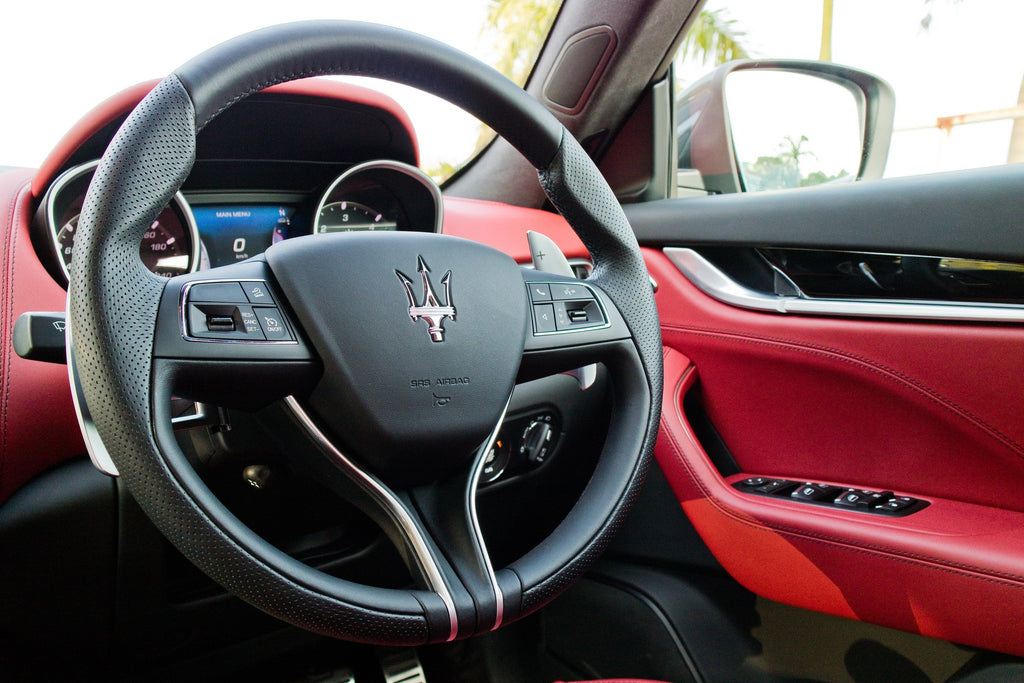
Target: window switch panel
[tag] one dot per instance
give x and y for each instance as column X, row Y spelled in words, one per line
column 829, row 495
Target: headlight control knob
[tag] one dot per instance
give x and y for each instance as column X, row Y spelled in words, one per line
column 537, row 440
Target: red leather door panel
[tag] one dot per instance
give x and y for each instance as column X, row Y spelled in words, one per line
column 922, row 409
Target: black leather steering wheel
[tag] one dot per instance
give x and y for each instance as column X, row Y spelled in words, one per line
column 359, row 327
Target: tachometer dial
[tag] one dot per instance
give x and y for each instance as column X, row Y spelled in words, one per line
column 380, row 195
column 346, row 216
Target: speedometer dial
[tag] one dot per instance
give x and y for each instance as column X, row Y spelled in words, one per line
column 166, row 247
column 169, row 247
column 345, row 216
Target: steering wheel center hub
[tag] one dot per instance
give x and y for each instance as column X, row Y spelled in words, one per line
column 420, row 339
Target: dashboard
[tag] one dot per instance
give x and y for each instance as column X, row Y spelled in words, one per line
column 301, row 158
column 212, row 228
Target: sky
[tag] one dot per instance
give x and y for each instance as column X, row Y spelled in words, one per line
column 62, row 58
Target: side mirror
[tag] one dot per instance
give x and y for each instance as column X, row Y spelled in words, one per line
column 753, row 125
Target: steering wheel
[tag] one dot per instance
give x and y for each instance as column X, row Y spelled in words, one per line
column 366, row 335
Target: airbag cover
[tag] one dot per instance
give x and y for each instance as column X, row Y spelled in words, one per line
column 420, row 337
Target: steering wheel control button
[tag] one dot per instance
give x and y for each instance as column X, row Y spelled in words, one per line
column 540, row 292
column 575, row 315
column 223, row 311
column 272, row 323
column 228, row 322
column 257, row 292
column 570, row 292
column 220, row 323
column 251, row 322
column 544, row 318
column 574, row 307
column 218, row 292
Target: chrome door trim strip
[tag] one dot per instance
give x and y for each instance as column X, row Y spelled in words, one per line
column 712, row 281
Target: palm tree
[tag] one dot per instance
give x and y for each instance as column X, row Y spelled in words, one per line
column 825, row 54
column 713, row 39
column 516, row 29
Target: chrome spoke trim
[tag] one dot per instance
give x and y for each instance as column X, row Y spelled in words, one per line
column 98, row 454
column 418, row 548
column 712, row 281
column 474, row 483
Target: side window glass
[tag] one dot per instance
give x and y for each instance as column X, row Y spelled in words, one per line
column 958, row 105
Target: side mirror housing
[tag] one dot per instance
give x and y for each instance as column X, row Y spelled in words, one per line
column 754, row 125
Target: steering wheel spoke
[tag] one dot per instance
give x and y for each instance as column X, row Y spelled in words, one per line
column 226, row 337
column 448, row 509
column 574, row 324
column 434, row 527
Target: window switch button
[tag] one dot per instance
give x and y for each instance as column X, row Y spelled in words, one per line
column 774, row 486
column 854, row 498
column 811, row 491
column 897, row 504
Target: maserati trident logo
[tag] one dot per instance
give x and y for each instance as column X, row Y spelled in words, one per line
column 432, row 311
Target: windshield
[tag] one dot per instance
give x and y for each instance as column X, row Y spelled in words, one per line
column 61, row 59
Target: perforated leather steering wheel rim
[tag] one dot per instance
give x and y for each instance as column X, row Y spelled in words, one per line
column 114, row 302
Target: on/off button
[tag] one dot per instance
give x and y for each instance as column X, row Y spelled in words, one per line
column 273, row 324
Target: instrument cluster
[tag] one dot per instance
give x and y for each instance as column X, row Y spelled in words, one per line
column 206, row 229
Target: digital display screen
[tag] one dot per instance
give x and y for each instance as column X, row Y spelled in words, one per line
column 236, row 232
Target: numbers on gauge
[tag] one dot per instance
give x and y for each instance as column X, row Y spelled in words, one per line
column 165, row 249
column 346, row 216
